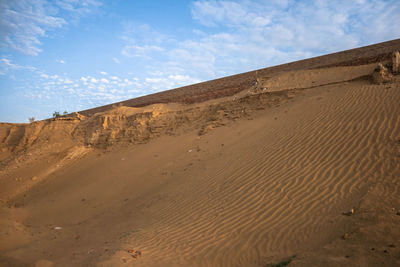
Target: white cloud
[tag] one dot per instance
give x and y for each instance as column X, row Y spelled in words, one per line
column 85, row 89
column 140, row 51
column 211, row 13
column 252, row 34
column 61, row 61
column 317, row 26
column 67, row 81
column 78, row 7
column 182, row 79
column 116, row 60
column 169, row 82
column 7, row 65
column 24, row 22
column 103, row 73
column 99, row 90
column 139, row 34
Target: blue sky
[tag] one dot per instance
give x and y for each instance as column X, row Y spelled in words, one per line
column 72, row 55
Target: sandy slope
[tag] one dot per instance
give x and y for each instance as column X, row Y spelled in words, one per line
column 240, row 181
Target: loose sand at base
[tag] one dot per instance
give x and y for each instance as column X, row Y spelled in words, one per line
column 246, row 180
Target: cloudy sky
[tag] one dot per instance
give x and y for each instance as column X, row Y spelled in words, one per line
column 58, row 55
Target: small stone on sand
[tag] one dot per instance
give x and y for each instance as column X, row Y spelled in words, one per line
column 349, row 213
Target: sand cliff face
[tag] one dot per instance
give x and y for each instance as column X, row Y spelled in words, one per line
column 244, row 180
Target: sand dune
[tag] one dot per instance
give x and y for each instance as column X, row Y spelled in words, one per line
column 243, row 180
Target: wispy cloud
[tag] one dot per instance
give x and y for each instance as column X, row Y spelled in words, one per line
column 142, row 40
column 23, row 22
column 141, row 34
column 237, row 36
column 315, row 26
column 140, row 51
column 256, row 33
column 80, row 7
column 162, row 82
column 234, row 14
column 6, row 65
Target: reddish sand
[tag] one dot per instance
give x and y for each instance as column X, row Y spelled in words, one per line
column 252, row 178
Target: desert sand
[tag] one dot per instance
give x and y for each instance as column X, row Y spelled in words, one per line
column 299, row 163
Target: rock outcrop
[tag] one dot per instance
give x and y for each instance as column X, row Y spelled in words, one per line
column 396, row 62
column 381, row 74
